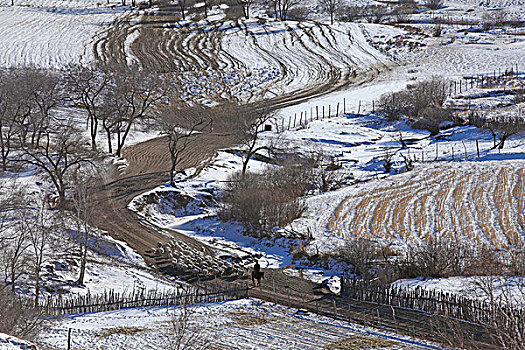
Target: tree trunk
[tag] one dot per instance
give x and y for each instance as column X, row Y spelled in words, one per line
column 37, row 285
column 4, row 156
column 61, row 189
column 83, row 259
column 118, row 143
column 94, row 129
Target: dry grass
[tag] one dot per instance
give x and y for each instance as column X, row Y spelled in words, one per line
column 121, row 331
column 360, row 342
column 481, row 203
column 245, row 319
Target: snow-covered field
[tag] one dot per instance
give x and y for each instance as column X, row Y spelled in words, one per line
column 303, row 54
column 457, row 193
column 53, row 33
column 243, row 324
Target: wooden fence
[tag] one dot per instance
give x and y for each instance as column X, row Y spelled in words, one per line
column 434, row 302
column 497, row 77
column 110, row 300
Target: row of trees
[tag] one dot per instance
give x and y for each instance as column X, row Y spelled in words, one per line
column 37, row 130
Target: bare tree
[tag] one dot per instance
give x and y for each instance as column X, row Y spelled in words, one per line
column 181, row 126
column 331, row 6
column 45, row 93
column 183, row 332
column 251, row 123
column 89, row 84
column 17, row 316
column 15, row 112
column 83, row 205
column 42, row 233
column 8, row 119
column 500, row 128
column 58, row 153
column 133, row 96
column 246, row 6
column 182, row 7
column 505, row 297
column 13, row 235
column 282, row 7
column 14, row 257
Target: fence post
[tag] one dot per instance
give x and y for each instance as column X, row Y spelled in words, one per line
column 359, row 108
column 69, row 339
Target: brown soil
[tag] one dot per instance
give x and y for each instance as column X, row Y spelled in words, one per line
column 148, row 167
column 149, row 164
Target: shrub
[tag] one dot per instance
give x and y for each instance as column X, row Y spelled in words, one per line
column 431, row 119
column 437, row 30
column 18, row 316
column 360, row 254
column 493, row 19
column 298, row 13
column 434, row 4
column 375, row 13
column 437, row 257
column 415, row 99
column 269, row 199
column 349, row 13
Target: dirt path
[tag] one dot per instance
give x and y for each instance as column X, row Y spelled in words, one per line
column 148, row 167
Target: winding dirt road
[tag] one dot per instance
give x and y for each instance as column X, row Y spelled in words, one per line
column 196, row 48
column 148, row 167
column 162, row 43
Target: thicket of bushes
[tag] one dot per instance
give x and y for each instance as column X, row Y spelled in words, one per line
column 442, row 256
column 273, row 198
column 422, row 102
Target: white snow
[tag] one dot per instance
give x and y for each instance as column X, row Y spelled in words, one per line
column 53, row 33
column 241, row 324
column 8, row 342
